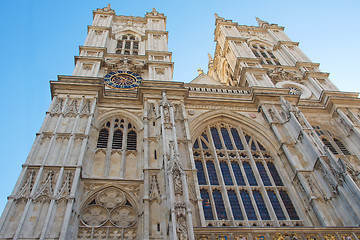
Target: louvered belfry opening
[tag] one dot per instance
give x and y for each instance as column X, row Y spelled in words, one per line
column 103, row 138
column 118, row 129
column 131, row 140
column 117, row 139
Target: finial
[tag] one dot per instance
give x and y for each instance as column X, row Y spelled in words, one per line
column 108, row 7
column 218, row 18
column 210, row 57
column 154, row 10
column 261, row 22
column 200, row 71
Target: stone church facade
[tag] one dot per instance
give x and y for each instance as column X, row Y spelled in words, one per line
column 262, row 146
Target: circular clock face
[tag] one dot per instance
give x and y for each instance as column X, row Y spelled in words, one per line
column 122, row 80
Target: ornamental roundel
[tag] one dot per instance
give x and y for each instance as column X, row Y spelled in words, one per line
column 123, row 216
column 109, row 208
column 122, row 80
column 95, row 215
column 111, row 198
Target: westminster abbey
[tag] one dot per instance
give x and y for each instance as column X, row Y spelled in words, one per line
column 261, row 146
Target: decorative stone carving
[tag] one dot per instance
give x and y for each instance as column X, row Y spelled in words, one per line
column 166, row 114
column 155, row 194
column 182, row 229
column 315, row 191
column 119, row 25
column 166, row 110
column 273, row 116
column 85, row 109
column 280, row 74
column 71, row 109
column 125, row 64
column 94, row 215
column 65, row 189
column 111, row 198
column 27, row 186
column 250, row 33
column 57, row 109
column 123, row 216
column 192, row 194
column 109, row 210
column 178, row 112
column 177, row 181
column 47, row 188
column 152, row 111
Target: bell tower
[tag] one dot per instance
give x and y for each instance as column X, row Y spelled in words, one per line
column 264, row 56
column 126, row 43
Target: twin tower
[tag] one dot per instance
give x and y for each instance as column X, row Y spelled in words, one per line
column 262, row 146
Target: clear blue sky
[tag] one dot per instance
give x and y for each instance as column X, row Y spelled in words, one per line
column 40, row 38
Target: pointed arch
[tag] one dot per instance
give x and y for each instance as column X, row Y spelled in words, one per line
column 129, row 195
column 249, row 125
column 128, row 30
column 240, row 158
column 102, row 118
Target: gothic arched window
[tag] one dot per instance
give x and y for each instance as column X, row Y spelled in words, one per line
column 238, row 180
column 118, row 130
column 128, row 45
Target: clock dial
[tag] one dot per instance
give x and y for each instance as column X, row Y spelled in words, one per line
column 122, row 80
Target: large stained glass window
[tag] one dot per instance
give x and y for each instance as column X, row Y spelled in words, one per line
column 251, row 191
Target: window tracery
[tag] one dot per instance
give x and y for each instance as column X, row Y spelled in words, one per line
column 117, row 129
column 128, row 45
column 253, row 187
column 108, row 213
